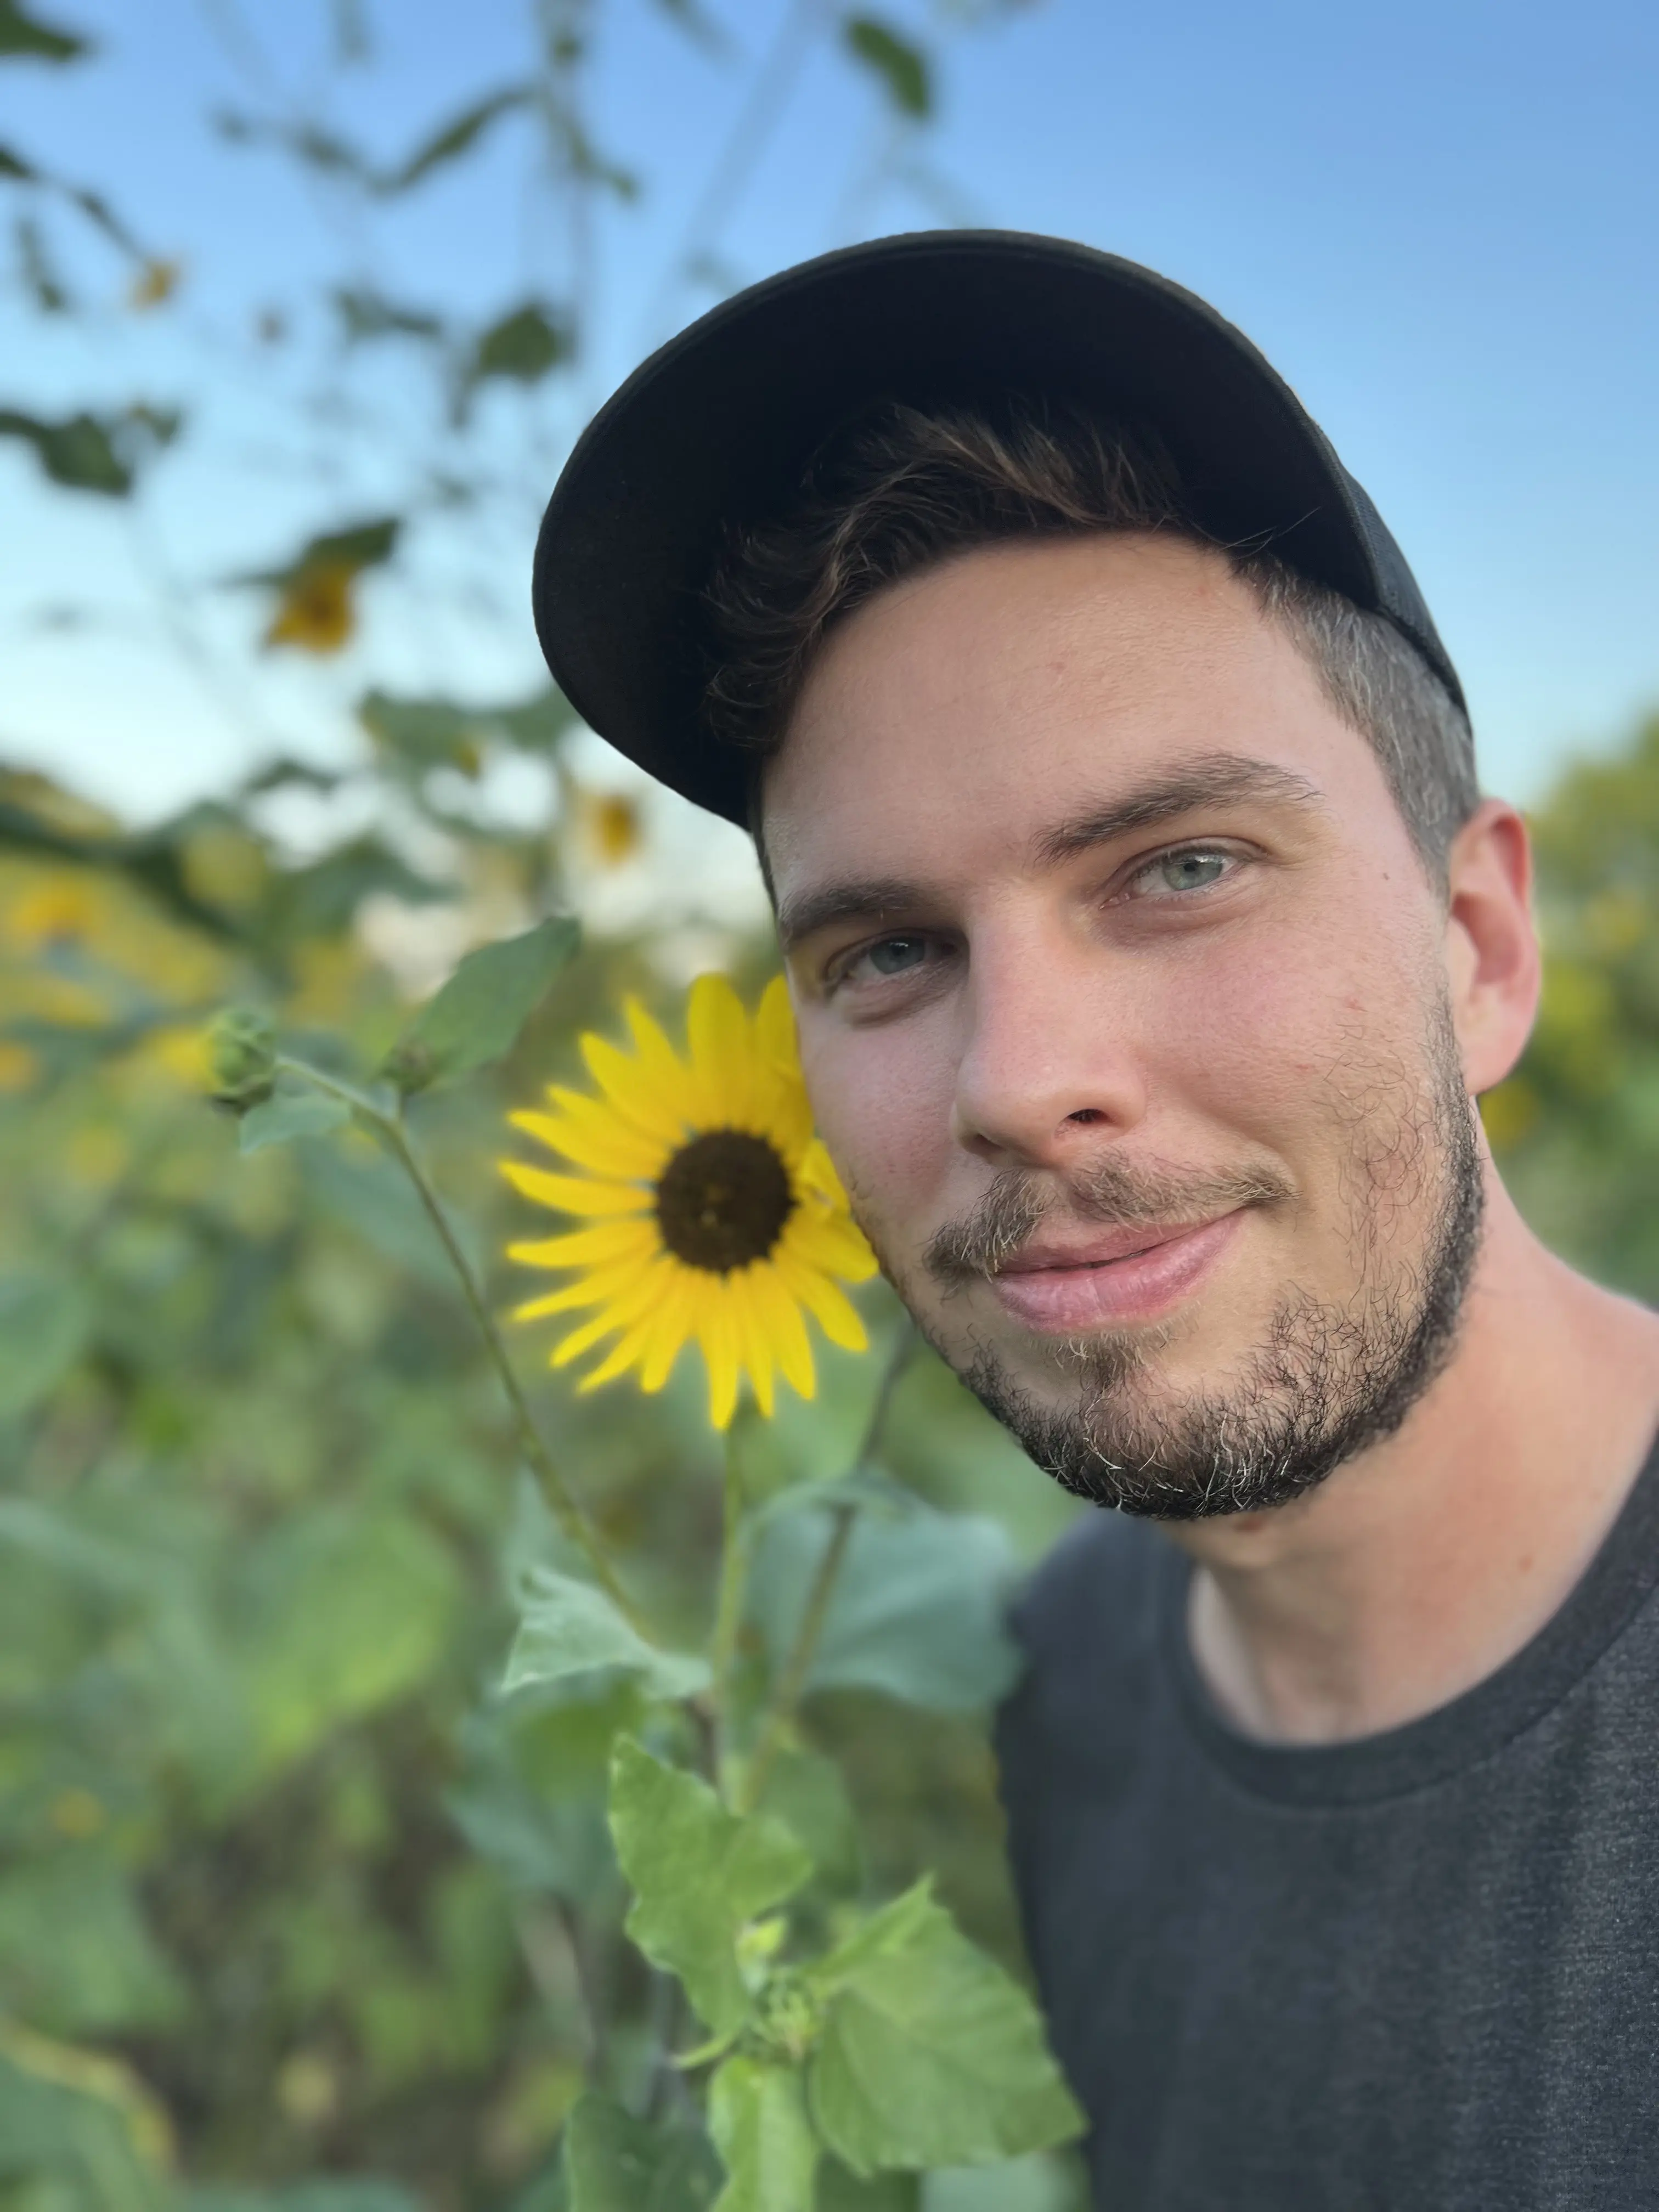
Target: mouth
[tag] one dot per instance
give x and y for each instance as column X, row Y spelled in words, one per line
column 1116, row 1280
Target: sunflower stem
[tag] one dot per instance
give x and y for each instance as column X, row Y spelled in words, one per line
column 791, row 1685
column 562, row 1502
column 728, row 1609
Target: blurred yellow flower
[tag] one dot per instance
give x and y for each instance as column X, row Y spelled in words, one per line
column 612, row 827
column 154, row 284
column 58, row 910
column 714, row 1213
column 317, row 612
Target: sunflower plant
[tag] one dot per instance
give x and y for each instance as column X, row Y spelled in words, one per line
column 802, row 2043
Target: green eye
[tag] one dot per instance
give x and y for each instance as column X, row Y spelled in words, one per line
column 1189, row 872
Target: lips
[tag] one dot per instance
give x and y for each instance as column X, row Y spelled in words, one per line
column 1114, row 1280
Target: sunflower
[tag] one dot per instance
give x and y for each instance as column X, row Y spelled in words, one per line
column 713, row 1211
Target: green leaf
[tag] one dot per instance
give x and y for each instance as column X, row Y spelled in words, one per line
column 341, row 1613
column 615, row 2163
column 365, row 313
column 917, row 1610
column 700, row 1875
column 570, row 1627
column 45, row 1321
column 27, row 34
column 522, row 346
column 290, row 1113
column 903, row 67
column 452, row 139
column 930, row 2054
column 48, row 2128
column 757, row 2117
column 807, row 1794
column 76, row 1955
column 423, row 732
column 841, row 2191
column 345, row 2192
column 477, row 1017
column 79, row 451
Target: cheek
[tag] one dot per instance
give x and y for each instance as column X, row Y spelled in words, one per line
column 882, row 1102
column 1270, row 1036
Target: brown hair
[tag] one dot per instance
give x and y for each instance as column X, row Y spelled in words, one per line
column 902, row 490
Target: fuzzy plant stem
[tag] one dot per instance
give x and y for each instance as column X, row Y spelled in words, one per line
column 791, row 1686
column 562, row 1499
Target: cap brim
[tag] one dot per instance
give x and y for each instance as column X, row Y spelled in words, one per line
column 716, row 429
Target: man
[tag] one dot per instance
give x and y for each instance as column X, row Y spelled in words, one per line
column 1150, row 943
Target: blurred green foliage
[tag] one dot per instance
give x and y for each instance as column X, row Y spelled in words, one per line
column 1577, row 1128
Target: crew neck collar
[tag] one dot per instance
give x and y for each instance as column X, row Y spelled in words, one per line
column 1475, row 1724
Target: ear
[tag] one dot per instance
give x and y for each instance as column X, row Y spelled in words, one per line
column 1493, row 961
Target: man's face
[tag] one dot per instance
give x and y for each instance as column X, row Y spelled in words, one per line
column 1122, row 1004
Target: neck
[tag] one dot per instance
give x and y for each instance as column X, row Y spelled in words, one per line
column 1426, row 1561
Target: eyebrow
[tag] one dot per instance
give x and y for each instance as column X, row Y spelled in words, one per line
column 1211, row 780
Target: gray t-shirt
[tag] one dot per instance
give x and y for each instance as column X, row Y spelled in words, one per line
column 1417, row 1973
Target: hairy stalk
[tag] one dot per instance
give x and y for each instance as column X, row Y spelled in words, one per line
column 562, row 1502
column 791, row 1685
column 728, row 1608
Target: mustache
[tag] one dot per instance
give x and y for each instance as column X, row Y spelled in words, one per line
column 1110, row 1192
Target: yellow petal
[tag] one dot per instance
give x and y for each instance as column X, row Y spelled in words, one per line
column 830, row 1242
column 589, row 1247
column 631, row 1090
column 662, row 1064
column 641, row 1300
column 718, row 1338
column 589, row 1133
column 833, row 1312
column 575, row 1193
column 618, row 1361
column 786, row 1331
column 775, row 1028
column 671, row 1326
column 753, row 1349
column 596, row 1288
column 717, row 1033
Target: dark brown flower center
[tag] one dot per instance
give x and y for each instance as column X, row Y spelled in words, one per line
column 723, row 1200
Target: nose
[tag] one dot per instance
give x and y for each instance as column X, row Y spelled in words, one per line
column 1049, row 1064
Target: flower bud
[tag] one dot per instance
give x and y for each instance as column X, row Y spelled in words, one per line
column 242, row 1053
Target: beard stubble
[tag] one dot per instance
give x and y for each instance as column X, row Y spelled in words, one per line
column 1329, row 1378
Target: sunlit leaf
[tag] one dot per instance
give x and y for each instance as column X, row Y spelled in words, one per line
column 901, row 66
column 758, row 2120
column 930, row 2055
column 475, row 1017
column 699, row 1873
column 570, row 1627
column 615, row 2163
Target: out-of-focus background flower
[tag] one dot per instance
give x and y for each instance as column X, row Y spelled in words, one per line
column 303, row 303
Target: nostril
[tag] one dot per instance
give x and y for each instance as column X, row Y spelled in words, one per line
column 1086, row 1113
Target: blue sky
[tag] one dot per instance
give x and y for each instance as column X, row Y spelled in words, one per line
column 1439, row 220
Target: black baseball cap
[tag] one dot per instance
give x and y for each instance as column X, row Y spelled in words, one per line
column 716, row 431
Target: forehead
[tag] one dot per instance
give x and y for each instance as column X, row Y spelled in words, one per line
column 955, row 716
